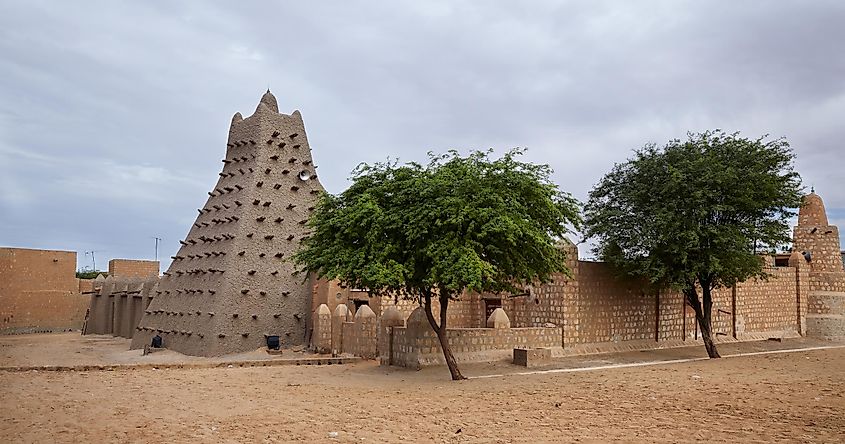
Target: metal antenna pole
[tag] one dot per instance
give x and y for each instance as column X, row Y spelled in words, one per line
column 157, row 239
column 93, row 261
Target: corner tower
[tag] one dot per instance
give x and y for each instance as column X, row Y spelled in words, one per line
column 814, row 235
column 818, row 241
column 231, row 283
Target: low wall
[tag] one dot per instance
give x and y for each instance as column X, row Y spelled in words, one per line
column 594, row 310
column 358, row 337
column 418, row 347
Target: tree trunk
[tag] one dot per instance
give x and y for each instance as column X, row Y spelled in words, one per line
column 702, row 316
column 440, row 330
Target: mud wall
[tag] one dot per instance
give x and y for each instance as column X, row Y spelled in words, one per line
column 39, row 291
column 133, row 268
column 118, row 304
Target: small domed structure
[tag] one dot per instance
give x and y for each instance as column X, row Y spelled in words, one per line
column 797, row 259
column 417, row 321
column 364, row 312
column 342, row 312
column 498, row 319
column 323, row 310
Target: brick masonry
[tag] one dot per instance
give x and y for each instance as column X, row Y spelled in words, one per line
column 417, row 346
column 817, row 240
column 594, row 310
column 39, row 291
column 130, row 268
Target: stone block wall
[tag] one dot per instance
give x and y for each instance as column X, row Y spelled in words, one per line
column 347, row 338
column 130, row 268
column 722, row 320
column 390, row 318
column 340, row 316
column 322, row 333
column 416, row 349
column 86, row 285
column 612, row 309
column 819, row 241
column 768, row 305
column 828, row 326
column 594, row 307
column 538, row 305
column 39, row 291
column 358, row 337
column 672, row 316
column 363, row 339
column 609, row 309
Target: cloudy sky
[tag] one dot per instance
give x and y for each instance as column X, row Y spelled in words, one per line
column 114, row 114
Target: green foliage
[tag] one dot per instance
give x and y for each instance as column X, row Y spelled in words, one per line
column 695, row 211
column 92, row 274
column 458, row 223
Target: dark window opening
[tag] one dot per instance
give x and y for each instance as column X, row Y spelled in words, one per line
column 490, row 305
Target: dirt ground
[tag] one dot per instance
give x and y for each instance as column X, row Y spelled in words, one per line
column 71, row 349
column 785, row 397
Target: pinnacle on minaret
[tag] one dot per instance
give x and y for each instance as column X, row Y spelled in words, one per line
column 269, row 100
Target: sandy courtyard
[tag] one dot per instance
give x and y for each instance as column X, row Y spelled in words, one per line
column 788, row 397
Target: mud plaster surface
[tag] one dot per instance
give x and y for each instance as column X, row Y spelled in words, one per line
column 231, row 284
column 791, row 397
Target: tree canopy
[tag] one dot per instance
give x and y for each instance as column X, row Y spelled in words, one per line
column 695, row 213
column 456, row 224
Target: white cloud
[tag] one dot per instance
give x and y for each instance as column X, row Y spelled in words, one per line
column 129, row 102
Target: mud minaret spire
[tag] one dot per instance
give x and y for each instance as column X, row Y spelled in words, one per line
column 230, row 284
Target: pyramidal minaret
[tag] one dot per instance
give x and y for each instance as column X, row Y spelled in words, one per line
column 230, row 285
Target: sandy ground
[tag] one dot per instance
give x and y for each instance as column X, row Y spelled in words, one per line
column 71, row 348
column 787, row 397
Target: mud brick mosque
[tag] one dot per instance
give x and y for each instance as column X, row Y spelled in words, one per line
column 230, row 286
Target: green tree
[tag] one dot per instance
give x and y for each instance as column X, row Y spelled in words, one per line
column 90, row 274
column 434, row 231
column 695, row 214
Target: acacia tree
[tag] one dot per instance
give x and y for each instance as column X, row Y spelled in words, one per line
column 434, row 231
column 695, row 214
